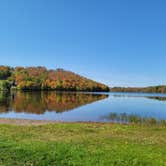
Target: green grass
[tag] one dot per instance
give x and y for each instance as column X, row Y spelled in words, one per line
column 82, row 144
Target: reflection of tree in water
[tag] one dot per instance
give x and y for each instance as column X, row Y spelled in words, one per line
column 40, row 102
column 4, row 101
column 160, row 98
column 132, row 118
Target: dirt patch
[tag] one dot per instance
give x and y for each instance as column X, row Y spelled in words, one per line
column 25, row 122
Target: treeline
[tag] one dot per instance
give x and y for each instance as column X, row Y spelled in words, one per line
column 151, row 89
column 40, row 78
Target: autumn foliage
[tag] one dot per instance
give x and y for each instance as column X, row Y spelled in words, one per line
column 151, row 89
column 39, row 78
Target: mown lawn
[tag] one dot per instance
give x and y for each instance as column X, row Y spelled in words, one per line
column 84, row 144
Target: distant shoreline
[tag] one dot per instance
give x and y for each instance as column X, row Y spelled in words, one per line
column 151, row 89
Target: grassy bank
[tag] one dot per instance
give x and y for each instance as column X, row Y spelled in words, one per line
column 84, row 144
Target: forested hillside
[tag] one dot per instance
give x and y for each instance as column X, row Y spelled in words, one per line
column 40, row 78
column 151, row 89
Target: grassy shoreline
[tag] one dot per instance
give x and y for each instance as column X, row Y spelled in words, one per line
column 78, row 143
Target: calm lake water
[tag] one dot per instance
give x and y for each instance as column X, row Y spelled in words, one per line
column 96, row 107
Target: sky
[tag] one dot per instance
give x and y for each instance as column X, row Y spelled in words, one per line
column 117, row 42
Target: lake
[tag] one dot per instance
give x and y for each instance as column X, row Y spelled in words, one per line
column 72, row 107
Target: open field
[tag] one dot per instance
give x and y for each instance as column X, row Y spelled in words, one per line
column 82, row 144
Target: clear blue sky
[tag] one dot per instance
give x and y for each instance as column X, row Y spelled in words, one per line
column 118, row 42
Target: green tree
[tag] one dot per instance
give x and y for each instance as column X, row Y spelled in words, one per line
column 4, row 85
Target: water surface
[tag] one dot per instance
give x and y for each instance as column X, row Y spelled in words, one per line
column 72, row 107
